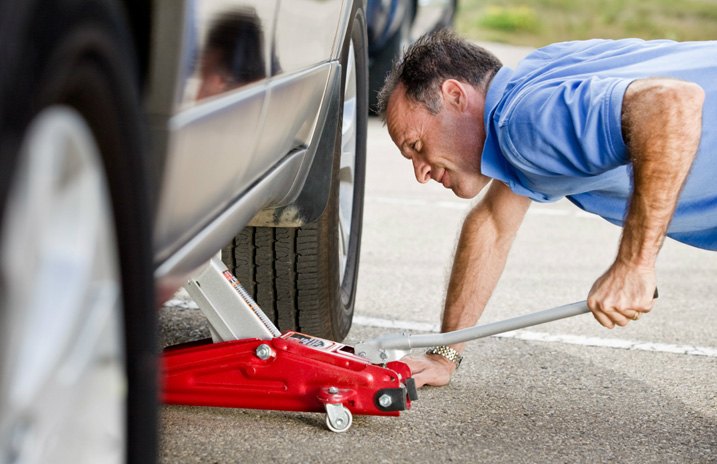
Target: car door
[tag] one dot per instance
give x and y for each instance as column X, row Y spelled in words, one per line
column 214, row 116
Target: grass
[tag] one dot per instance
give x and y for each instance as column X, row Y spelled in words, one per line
column 540, row 22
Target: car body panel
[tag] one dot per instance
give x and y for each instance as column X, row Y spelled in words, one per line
column 306, row 32
column 217, row 153
column 217, row 140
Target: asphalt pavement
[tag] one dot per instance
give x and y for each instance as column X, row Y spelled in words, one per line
column 565, row 392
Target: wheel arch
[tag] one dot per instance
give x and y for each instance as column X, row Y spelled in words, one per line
column 311, row 199
column 308, row 203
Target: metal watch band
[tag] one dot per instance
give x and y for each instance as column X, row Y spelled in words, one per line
column 448, row 353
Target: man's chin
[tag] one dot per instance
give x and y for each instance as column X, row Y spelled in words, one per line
column 461, row 193
column 471, row 189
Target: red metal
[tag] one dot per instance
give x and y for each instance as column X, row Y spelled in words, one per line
column 302, row 374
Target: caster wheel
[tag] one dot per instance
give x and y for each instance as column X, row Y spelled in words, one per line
column 338, row 418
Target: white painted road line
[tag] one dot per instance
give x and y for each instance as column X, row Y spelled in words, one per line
column 535, row 210
column 181, row 301
column 527, row 335
column 397, row 325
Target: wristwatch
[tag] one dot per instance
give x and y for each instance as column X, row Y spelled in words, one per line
column 448, row 353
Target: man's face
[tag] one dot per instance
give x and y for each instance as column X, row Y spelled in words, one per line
column 445, row 147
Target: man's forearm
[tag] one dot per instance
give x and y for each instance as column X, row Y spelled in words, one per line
column 486, row 238
column 662, row 124
column 479, row 262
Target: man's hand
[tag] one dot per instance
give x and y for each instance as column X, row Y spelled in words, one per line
column 430, row 369
column 622, row 294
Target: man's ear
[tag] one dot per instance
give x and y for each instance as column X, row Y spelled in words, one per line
column 454, row 94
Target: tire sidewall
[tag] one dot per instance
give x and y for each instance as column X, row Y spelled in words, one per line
column 346, row 293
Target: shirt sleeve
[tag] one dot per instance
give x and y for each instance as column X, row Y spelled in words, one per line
column 568, row 127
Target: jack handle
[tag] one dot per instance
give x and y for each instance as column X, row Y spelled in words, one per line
column 391, row 347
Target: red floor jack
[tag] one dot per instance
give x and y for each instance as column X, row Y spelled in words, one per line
column 250, row 364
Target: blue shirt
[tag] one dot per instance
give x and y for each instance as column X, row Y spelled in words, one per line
column 553, row 127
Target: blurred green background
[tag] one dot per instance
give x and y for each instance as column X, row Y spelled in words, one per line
column 540, row 22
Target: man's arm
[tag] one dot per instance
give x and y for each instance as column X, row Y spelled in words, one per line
column 661, row 120
column 486, row 238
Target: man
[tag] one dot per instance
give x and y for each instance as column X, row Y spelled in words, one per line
column 624, row 129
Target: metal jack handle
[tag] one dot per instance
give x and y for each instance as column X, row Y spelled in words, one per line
column 386, row 347
column 391, row 347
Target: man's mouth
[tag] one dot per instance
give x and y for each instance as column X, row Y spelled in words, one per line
column 444, row 180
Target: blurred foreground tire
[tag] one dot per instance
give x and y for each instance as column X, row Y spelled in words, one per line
column 77, row 348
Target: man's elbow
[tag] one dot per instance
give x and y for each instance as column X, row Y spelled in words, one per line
column 689, row 93
column 663, row 117
column 664, row 105
column 658, row 94
column 680, row 95
column 689, row 100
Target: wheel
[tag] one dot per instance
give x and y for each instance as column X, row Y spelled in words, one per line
column 305, row 278
column 77, row 333
column 338, row 418
column 383, row 60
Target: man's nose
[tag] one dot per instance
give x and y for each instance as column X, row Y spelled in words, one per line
column 422, row 170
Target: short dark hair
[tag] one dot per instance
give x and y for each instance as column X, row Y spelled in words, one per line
column 432, row 59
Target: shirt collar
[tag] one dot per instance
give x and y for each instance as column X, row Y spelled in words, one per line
column 493, row 164
column 496, row 89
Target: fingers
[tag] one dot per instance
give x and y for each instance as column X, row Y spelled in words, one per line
column 432, row 378
column 612, row 316
column 427, row 371
column 602, row 318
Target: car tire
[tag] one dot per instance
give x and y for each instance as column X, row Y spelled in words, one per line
column 77, row 320
column 305, row 278
column 383, row 60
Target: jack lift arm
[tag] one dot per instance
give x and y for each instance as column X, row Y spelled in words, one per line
column 250, row 364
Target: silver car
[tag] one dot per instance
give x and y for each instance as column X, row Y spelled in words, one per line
column 139, row 140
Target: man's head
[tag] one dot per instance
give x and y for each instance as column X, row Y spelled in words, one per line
column 433, row 101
